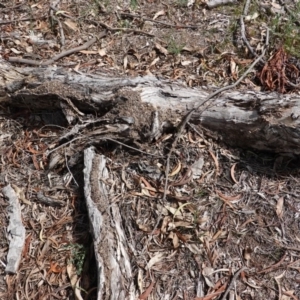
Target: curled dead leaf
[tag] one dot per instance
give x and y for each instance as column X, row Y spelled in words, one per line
column 279, row 207
column 176, row 169
column 232, row 173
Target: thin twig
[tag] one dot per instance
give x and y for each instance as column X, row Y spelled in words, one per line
column 61, row 30
column 70, row 170
column 235, row 276
column 130, row 147
column 243, row 31
column 62, row 13
column 246, row 7
column 243, row 34
column 103, row 138
column 58, row 56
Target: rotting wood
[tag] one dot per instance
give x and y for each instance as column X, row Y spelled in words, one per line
column 260, row 120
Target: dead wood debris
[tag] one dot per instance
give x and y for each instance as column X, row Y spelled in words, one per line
column 278, row 74
column 15, row 230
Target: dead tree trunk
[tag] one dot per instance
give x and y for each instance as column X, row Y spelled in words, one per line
column 264, row 121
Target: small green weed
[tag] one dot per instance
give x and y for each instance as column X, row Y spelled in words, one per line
column 182, row 3
column 286, row 31
column 77, row 256
column 124, row 24
column 174, row 47
column 201, row 193
column 134, row 4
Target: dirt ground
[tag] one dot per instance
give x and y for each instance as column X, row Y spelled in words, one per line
column 241, row 210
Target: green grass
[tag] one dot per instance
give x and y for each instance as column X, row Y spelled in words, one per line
column 182, row 3
column 285, row 31
column 134, row 4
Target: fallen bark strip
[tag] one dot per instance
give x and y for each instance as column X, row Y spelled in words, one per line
column 260, row 120
column 16, row 231
column 115, row 280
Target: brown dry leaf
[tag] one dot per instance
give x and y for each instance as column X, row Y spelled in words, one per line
column 158, row 14
column 155, row 259
column 140, row 280
column 102, row 52
column 279, row 285
column 26, row 246
column 144, row 228
column 232, row 173
column 229, row 198
column 191, row 138
column 233, row 68
column 154, row 61
column 41, row 25
column 21, row 195
column 171, row 209
column 218, row 234
column 15, row 51
column 147, row 291
column 35, row 162
column 125, row 62
column 76, row 68
column 186, row 62
column 216, row 162
column 180, row 209
column 279, row 207
column 71, row 270
column 176, row 169
column 183, row 237
column 247, row 254
column 290, row 294
column 173, row 236
column 72, row 25
column 161, row 49
column 148, row 190
column 175, row 241
column 183, row 224
column 54, row 268
column 164, row 225
column 213, row 295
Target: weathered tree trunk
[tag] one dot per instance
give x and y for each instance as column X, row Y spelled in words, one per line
column 264, row 121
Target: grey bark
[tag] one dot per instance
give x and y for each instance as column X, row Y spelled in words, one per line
column 259, row 120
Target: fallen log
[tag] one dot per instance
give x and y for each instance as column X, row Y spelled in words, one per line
column 126, row 108
column 259, row 120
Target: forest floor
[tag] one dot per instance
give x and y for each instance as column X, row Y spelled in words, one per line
column 238, row 214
